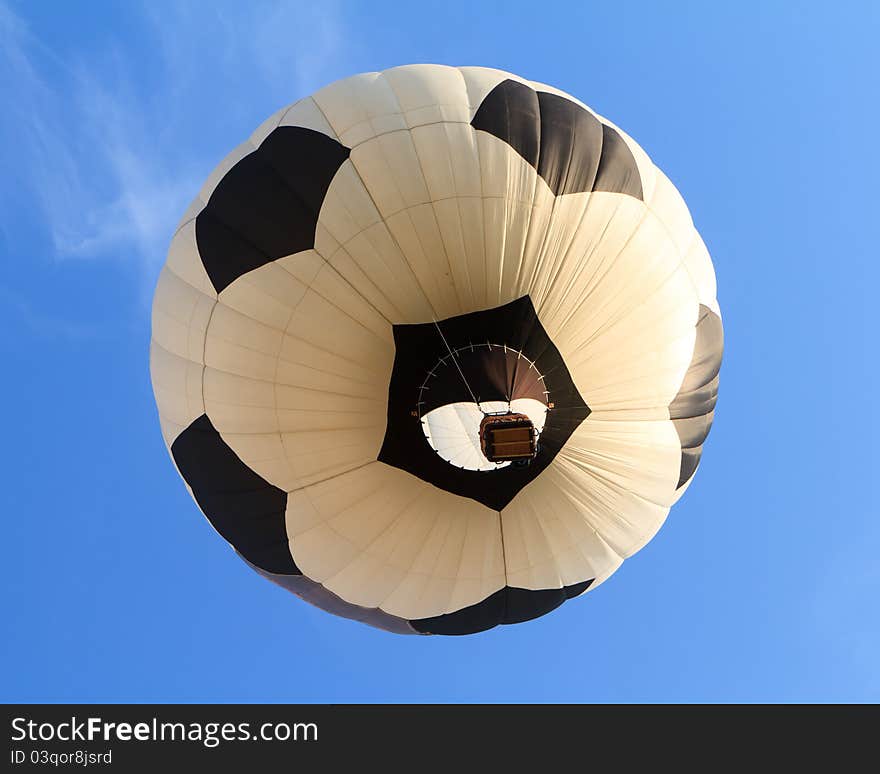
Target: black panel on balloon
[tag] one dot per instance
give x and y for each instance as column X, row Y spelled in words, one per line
column 243, row 507
column 506, row 606
column 267, row 205
column 418, row 348
column 693, row 408
column 570, row 148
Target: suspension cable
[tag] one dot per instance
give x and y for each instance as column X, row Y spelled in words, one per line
column 455, row 360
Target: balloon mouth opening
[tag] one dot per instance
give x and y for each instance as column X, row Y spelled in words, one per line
column 483, row 407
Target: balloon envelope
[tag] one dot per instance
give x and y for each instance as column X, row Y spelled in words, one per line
column 436, row 348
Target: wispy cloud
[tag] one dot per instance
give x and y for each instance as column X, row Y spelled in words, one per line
column 111, row 146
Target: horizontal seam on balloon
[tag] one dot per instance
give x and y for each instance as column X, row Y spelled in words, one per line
column 188, row 324
column 320, row 371
column 222, row 402
column 328, row 263
column 213, row 296
column 264, row 353
column 279, row 383
column 343, row 249
column 382, row 375
column 344, row 246
column 329, row 478
column 312, row 288
column 287, row 362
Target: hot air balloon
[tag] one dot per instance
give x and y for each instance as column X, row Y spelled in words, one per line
column 436, row 349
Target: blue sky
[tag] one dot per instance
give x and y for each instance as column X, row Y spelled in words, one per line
column 763, row 584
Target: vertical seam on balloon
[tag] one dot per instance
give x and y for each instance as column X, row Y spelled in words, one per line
column 597, row 279
column 204, row 339
column 275, row 407
column 305, row 493
column 170, row 270
column 340, row 275
column 433, row 574
column 341, row 245
column 384, row 223
column 464, row 255
column 319, row 253
column 205, row 353
column 687, row 268
column 499, row 298
column 527, row 544
column 694, row 234
column 409, row 131
column 540, row 253
column 437, row 514
column 532, row 206
column 589, row 196
column 470, row 135
column 363, row 549
column 601, row 473
column 503, row 549
column 592, row 471
column 476, row 140
column 583, row 264
column 575, row 542
column 550, row 546
column 670, row 237
column 414, row 557
column 187, row 222
column 458, row 197
column 275, row 396
column 343, row 248
column 291, row 107
column 459, row 564
column 604, row 268
column 614, row 320
column 408, row 209
column 312, row 289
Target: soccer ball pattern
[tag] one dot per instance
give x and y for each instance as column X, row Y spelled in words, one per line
column 366, row 247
